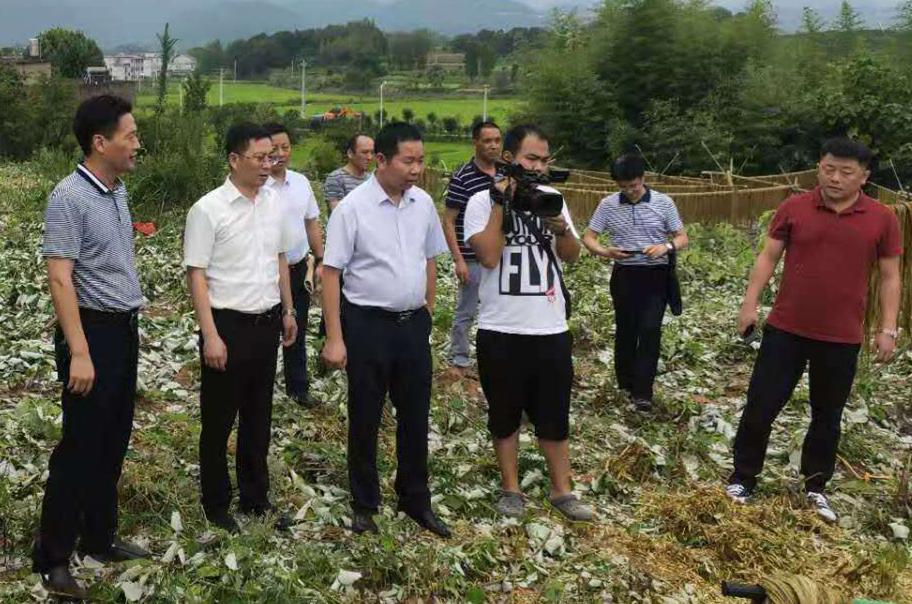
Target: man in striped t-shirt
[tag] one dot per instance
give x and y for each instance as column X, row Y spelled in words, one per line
column 341, row 182
column 476, row 175
column 644, row 227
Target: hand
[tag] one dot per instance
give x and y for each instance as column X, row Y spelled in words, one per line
column 462, row 271
column 747, row 317
column 82, row 374
column 289, row 330
column 885, row 345
column 334, row 354
column 557, row 225
column 656, row 251
column 215, row 353
column 615, row 253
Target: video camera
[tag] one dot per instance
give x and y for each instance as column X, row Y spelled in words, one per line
column 528, row 197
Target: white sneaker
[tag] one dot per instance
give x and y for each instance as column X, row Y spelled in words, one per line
column 737, row 492
column 821, row 506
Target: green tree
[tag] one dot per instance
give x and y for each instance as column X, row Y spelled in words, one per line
column 166, row 45
column 69, row 52
column 811, row 21
column 15, row 133
column 436, row 75
column 408, row 115
column 432, row 121
column 196, row 89
column 904, row 16
column 848, row 20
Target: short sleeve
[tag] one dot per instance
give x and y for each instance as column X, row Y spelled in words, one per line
column 340, row 237
column 456, row 195
column 199, row 238
column 673, row 222
column 565, row 212
column 599, row 221
column 781, row 226
column 435, row 243
column 311, row 209
column 890, row 243
column 63, row 228
column 477, row 214
column 332, row 188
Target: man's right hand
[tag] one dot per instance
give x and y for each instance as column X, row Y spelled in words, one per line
column 82, row 374
column 615, row 253
column 748, row 317
column 334, row 354
column 215, row 353
column 462, row 271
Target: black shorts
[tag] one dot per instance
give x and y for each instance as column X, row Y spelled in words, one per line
column 526, row 373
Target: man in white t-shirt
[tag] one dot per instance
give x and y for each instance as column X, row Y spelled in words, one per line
column 524, row 346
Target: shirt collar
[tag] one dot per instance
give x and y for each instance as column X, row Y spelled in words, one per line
column 860, row 205
column 644, row 199
column 380, row 196
column 94, row 180
column 232, row 193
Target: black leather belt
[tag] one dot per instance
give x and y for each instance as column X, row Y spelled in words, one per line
column 90, row 316
column 268, row 316
column 399, row 316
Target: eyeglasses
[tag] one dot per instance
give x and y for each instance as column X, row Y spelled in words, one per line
column 269, row 160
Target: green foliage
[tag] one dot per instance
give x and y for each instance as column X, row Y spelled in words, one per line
column 324, row 157
column 436, row 75
column 34, row 116
column 408, row 50
column 196, row 88
column 166, row 44
column 848, row 20
column 69, row 52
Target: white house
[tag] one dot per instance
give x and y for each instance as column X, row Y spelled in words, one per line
column 147, row 65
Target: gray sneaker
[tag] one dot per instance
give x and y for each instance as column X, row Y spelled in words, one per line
column 573, row 509
column 511, row 504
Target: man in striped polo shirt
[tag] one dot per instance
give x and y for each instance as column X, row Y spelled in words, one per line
column 476, row 175
column 341, row 182
column 644, row 227
column 88, row 244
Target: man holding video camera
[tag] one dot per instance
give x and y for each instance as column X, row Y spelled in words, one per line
column 521, row 232
column 646, row 231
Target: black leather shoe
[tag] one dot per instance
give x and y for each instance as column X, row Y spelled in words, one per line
column 120, row 551
column 224, row 521
column 427, row 520
column 308, row 401
column 363, row 522
column 283, row 521
column 59, row 582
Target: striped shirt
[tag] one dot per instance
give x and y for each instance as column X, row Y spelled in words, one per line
column 635, row 226
column 466, row 181
column 340, row 183
column 90, row 224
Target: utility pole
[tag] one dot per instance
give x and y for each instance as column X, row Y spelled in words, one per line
column 221, row 87
column 235, row 69
column 382, row 84
column 303, row 88
column 180, row 92
column 484, row 112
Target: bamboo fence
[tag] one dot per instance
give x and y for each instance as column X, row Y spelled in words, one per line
column 904, row 214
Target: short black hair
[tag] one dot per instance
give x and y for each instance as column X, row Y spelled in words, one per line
column 98, row 115
column 477, row 128
column 846, row 148
column 629, row 166
column 389, row 137
column 239, row 136
column 517, row 134
column 274, row 128
column 352, row 143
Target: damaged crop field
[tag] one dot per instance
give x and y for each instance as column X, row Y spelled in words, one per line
column 665, row 531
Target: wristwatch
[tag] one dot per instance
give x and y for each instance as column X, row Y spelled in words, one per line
column 893, row 333
column 670, row 246
column 289, row 312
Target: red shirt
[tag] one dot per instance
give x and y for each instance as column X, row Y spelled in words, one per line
column 828, row 259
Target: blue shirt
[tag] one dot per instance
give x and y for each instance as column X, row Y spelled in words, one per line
column 383, row 249
column 90, row 224
column 635, row 226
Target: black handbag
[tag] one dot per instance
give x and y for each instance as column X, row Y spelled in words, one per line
column 675, row 304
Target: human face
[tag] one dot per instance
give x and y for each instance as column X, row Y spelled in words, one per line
column 252, row 167
column 119, row 150
column 402, row 170
column 488, row 145
column 363, row 154
column 841, row 178
column 281, row 152
column 633, row 189
column 533, row 154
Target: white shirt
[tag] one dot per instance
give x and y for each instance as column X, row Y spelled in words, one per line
column 300, row 204
column 522, row 294
column 382, row 248
column 238, row 242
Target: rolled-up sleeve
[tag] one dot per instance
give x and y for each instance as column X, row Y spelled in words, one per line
column 199, row 238
column 340, row 237
column 63, row 228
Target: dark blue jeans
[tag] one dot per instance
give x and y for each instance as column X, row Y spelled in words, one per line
column 80, row 497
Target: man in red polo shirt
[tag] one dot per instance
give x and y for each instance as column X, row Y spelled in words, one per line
column 832, row 237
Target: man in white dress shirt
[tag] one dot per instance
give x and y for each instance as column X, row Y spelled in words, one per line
column 303, row 216
column 384, row 237
column 235, row 246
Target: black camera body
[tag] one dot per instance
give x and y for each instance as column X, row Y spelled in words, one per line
column 528, row 197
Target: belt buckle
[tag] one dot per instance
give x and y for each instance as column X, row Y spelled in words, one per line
column 404, row 316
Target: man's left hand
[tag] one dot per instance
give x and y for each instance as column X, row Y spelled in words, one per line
column 884, row 345
column 656, row 251
column 557, row 225
column 289, row 330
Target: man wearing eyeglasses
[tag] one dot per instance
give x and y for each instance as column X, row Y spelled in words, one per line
column 235, row 246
